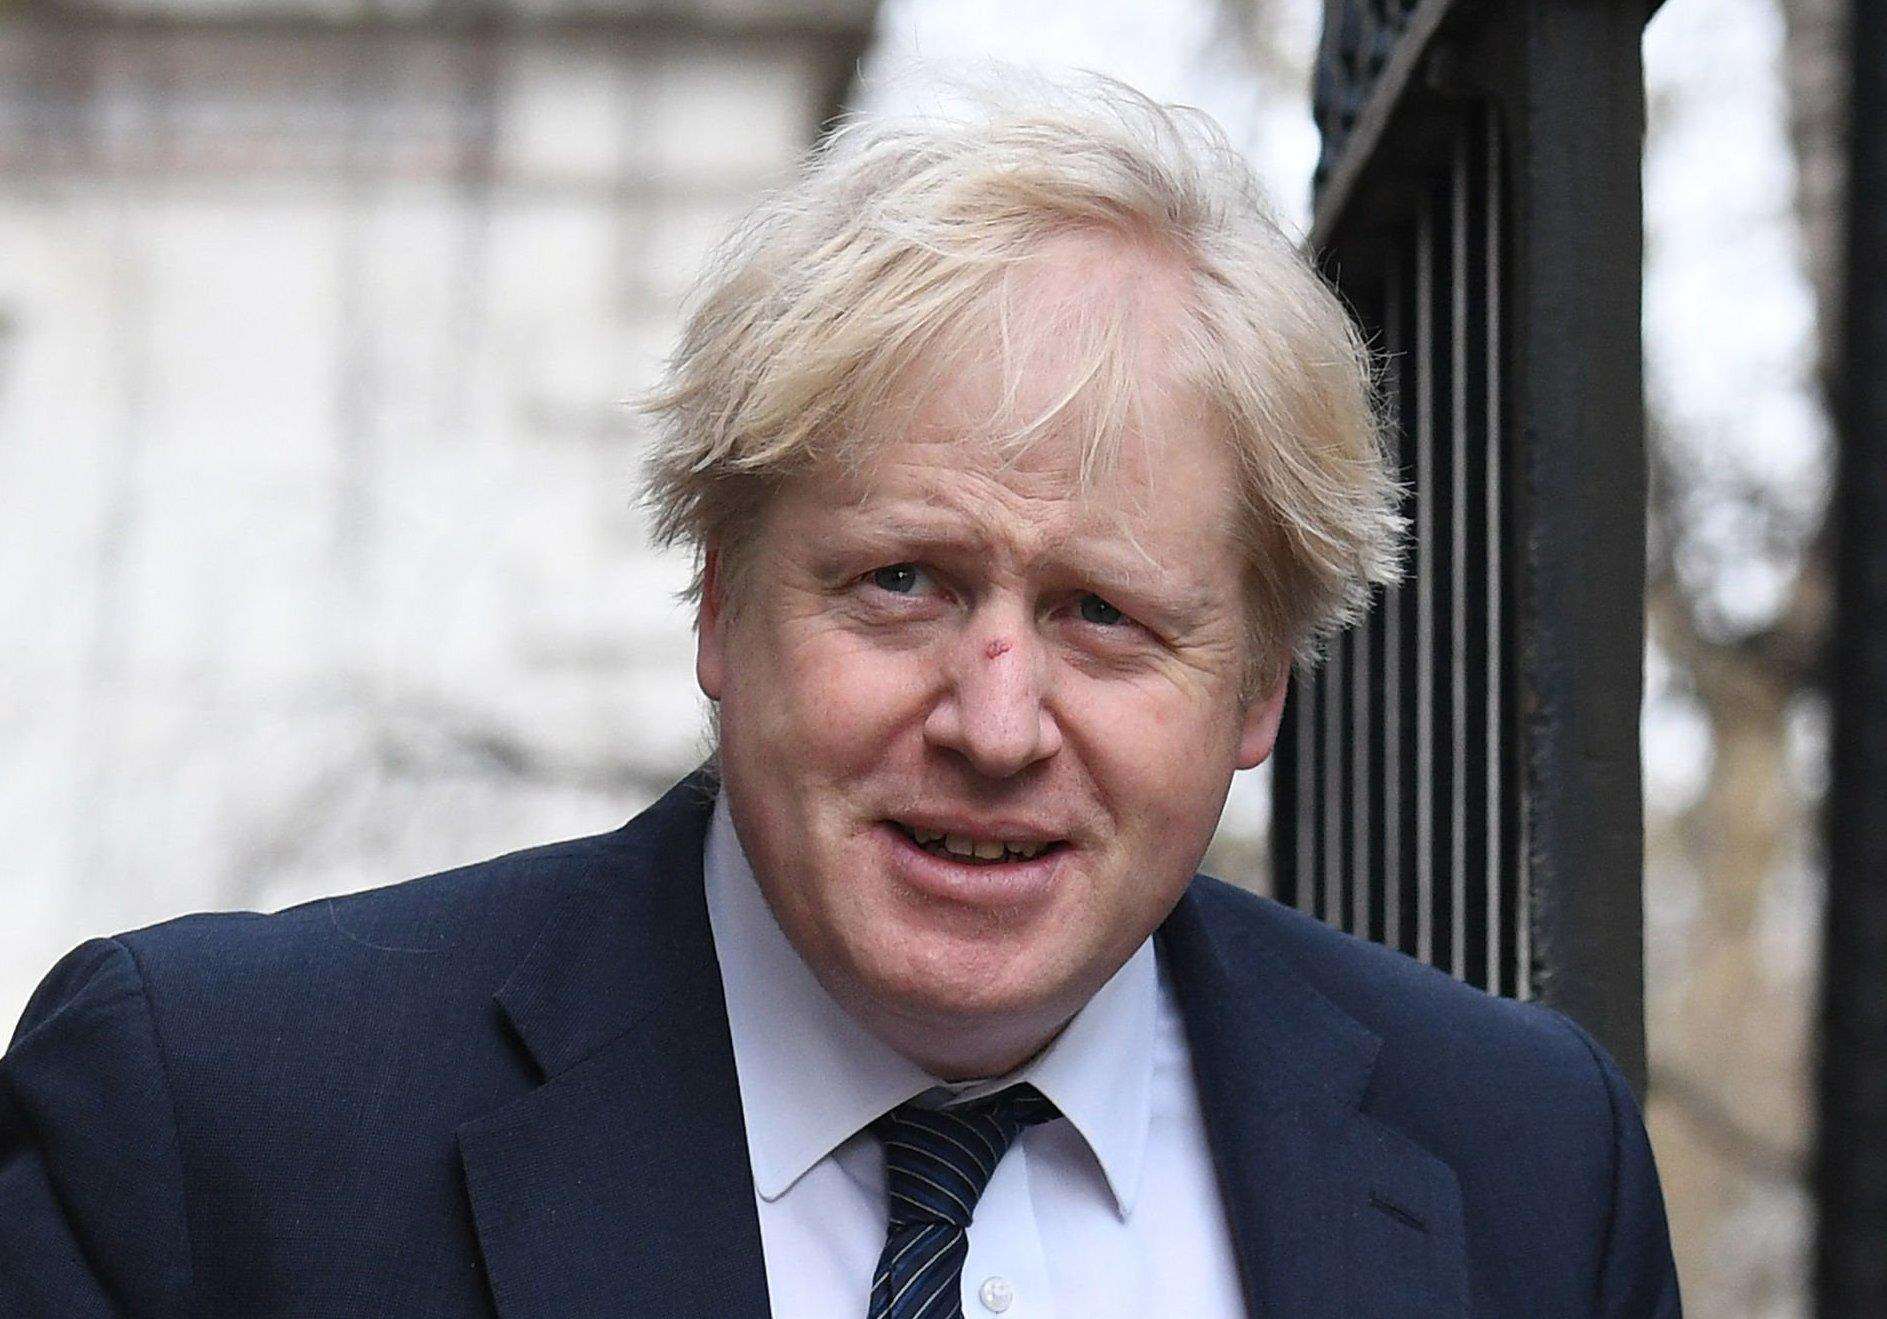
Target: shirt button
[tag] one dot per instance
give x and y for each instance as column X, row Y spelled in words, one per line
column 996, row 1294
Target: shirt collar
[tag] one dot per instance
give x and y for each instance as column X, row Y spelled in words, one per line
column 811, row 1076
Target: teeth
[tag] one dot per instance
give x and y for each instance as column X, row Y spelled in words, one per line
column 978, row 849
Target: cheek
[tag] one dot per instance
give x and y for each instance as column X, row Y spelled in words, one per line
column 1163, row 759
column 1157, row 731
column 828, row 699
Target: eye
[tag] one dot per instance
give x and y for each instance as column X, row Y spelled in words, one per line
column 898, row 578
column 1095, row 610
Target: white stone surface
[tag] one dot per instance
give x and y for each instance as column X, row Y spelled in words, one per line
column 322, row 564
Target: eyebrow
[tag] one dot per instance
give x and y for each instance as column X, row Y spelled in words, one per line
column 1109, row 566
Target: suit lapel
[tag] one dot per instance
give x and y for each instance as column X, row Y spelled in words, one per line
column 621, row 1186
column 1332, row 1212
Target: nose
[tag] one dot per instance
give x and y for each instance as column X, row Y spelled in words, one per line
column 994, row 710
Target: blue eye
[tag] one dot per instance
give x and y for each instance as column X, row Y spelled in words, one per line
column 897, row 578
column 1097, row 611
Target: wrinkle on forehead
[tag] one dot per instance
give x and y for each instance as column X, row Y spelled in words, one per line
column 1027, row 504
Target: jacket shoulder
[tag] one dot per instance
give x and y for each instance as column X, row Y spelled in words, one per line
column 465, row 924
column 1465, row 1073
column 277, row 1088
column 1462, row 1033
column 402, row 977
column 1531, row 1114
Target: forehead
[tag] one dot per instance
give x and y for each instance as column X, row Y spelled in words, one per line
column 1052, row 415
column 1160, row 514
column 1179, row 477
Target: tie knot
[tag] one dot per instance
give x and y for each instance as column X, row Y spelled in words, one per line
column 938, row 1161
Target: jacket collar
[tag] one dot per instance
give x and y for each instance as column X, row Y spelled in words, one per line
column 622, row 1183
column 1332, row 1213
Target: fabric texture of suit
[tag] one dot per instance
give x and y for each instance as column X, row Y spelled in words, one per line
column 510, row 1088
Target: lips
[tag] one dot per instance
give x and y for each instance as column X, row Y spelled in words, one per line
column 974, row 848
column 1008, row 880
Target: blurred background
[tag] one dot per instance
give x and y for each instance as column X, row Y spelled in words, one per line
column 322, row 566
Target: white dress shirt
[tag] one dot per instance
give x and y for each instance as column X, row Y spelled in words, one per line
column 1114, row 1212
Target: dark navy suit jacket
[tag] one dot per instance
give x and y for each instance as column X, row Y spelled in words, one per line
column 510, row 1088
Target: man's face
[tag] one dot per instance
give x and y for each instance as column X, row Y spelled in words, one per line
column 977, row 726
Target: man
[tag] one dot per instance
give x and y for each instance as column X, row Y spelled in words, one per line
column 1022, row 456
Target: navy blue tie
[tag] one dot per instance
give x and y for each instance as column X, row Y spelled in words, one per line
column 937, row 1163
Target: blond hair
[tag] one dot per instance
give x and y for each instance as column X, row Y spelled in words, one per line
column 892, row 252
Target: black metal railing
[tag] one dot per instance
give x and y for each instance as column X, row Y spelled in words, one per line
column 1459, row 778
column 1404, row 816
column 1850, row 1176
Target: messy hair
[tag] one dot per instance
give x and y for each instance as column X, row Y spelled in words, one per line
column 894, row 253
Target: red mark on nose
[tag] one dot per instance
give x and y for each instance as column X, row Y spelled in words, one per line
column 997, row 648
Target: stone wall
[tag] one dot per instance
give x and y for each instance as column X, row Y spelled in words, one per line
column 322, row 563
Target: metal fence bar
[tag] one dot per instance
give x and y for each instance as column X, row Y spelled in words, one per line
column 1579, row 385
column 1422, row 855
column 1302, row 878
column 1477, row 676
column 1516, row 885
column 1458, row 513
column 1851, row 1155
column 1330, row 762
column 1361, row 880
column 1389, row 627
column 1425, row 764
column 1497, row 875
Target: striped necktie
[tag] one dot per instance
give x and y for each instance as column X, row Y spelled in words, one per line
column 937, row 1163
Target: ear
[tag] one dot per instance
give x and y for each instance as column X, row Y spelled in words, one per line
column 1258, row 731
column 711, row 630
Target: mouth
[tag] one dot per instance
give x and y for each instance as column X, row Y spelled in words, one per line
column 975, row 850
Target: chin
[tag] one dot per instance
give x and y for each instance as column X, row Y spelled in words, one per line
column 964, row 981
